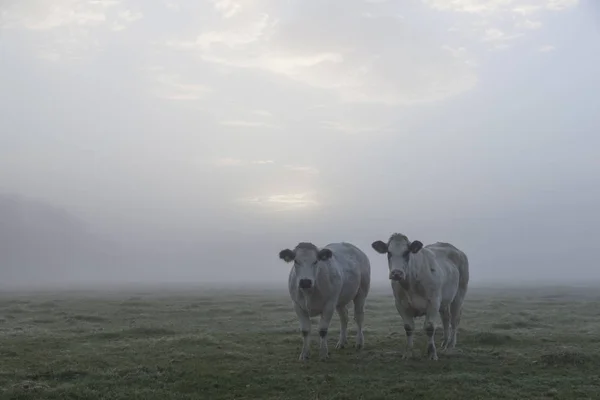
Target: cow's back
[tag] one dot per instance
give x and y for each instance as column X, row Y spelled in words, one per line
column 452, row 257
column 354, row 268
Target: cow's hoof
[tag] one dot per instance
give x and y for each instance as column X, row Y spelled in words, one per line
column 324, row 354
column 304, row 356
column 341, row 344
column 432, row 355
column 407, row 356
column 360, row 342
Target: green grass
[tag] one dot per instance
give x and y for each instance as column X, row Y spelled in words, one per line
column 513, row 344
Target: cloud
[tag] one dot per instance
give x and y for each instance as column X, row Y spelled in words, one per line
column 240, row 115
column 351, row 129
column 124, row 18
column 246, row 124
column 227, row 8
column 497, row 22
column 262, row 113
column 496, row 6
column 66, row 30
column 236, row 162
column 345, row 57
column 496, row 35
column 282, row 202
column 546, row 48
column 172, row 5
column 529, row 24
column 304, row 169
column 251, row 119
column 171, row 86
column 42, row 15
column 39, row 15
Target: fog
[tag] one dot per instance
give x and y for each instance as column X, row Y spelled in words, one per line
column 190, row 141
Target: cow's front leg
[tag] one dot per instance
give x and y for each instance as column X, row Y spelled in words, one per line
column 304, row 320
column 409, row 329
column 432, row 310
column 324, row 322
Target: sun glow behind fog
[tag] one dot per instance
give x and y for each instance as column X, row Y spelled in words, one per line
column 283, row 202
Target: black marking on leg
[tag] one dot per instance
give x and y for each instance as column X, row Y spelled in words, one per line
column 323, row 333
column 430, row 329
column 408, row 329
column 430, row 348
column 305, row 333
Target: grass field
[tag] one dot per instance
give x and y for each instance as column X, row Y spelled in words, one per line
column 209, row 344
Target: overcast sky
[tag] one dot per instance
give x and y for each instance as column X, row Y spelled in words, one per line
column 241, row 127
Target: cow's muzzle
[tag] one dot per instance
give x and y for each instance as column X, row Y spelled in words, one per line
column 397, row 275
column 305, row 284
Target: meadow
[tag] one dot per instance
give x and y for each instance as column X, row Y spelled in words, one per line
column 528, row 343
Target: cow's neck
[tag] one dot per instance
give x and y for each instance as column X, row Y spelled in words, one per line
column 405, row 284
column 414, row 271
column 309, row 298
column 418, row 265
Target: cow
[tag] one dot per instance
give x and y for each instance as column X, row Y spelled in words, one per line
column 325, row 280
column 426, row 281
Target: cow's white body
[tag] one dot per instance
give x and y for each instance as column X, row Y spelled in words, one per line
column 343, row 278
column 436, row 281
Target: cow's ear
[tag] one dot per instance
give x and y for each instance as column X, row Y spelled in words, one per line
column 324, row 254
column 379, row 247
column 415, row 246
column 287, row 255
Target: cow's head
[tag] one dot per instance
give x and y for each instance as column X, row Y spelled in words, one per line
column 398, row 250
column 306, row 258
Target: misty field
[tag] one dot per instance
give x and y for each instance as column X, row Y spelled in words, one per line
column 209, row 344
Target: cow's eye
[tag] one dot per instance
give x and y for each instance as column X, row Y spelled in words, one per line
column 315, row 263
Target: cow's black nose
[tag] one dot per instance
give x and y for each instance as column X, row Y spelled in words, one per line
column 305, row 284
column 396, row 275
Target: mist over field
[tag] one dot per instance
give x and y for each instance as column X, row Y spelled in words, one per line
column 189, row 142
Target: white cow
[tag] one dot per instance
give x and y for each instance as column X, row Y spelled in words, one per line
column 324, row 280
column 425, row 281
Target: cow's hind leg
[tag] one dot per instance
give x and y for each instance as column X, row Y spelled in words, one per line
column 445, row 313
column 456, row 311
column 343, row 313
column 359, row 317
column 432, row 310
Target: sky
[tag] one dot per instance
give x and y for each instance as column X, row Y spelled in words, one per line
column 225, row 131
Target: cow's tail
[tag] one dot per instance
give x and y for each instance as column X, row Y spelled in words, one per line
column 463, row 269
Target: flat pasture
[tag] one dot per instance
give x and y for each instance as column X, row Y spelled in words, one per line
column 526, row 343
